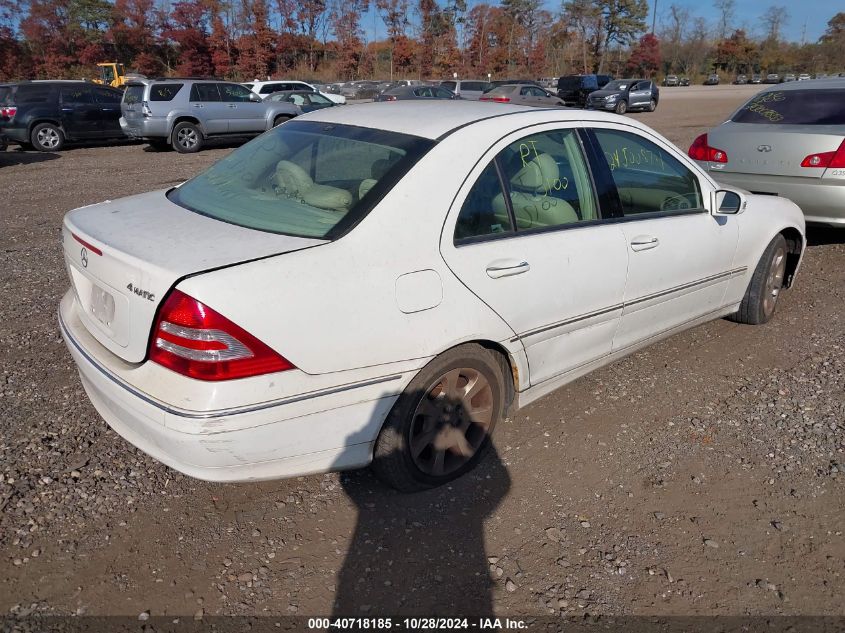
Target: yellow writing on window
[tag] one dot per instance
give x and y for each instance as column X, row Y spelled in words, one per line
column 627, row 158
column 529, row 154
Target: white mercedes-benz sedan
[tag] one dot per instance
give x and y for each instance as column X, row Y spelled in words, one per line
column 383, row 283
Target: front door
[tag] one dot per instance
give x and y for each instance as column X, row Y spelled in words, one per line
column 80, row 113
column 679, row 254
column 640, row 95
column 245, row 115
column 526, row 236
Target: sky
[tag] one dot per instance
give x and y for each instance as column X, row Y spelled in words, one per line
column 815, row 13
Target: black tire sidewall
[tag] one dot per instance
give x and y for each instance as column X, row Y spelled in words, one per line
column 282, row 118
column 33, row 137
column 621, row 107
column 175, row 143
column 399, row 419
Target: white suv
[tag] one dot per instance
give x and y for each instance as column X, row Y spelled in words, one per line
column 264, row 88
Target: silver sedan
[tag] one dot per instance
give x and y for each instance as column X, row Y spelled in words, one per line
column 522, row 94
column 788, row 140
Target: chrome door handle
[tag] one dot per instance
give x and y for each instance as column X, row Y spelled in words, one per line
column 644, row 242
column 197, row 105
column 496, row 269
column 232, row 105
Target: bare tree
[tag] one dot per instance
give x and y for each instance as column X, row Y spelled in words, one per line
column 774, row 20
column 726, row 15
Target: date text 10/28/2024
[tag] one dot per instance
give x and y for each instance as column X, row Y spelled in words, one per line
column 416, row 624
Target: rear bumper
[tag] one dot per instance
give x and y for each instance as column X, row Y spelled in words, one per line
column 328, row 430
column 145, row 128
column 15, row 134
column 821, row 200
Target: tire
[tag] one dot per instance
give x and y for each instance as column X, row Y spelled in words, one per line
column 652, row 105
column 406, row 456
column 621, row 107
column 281, row 119
column 186, row 138
column 760, row 300
column 47, row 137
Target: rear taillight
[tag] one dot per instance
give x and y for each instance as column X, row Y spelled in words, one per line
column 502, row 99
column 700, row 150
column 390, row 97
column 8, row 111
column 193, row 340
column 826, row 159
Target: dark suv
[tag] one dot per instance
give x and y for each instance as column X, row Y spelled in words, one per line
column 574, row 89
column 46, row 114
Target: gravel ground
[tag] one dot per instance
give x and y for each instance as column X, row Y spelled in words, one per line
column 704, row 475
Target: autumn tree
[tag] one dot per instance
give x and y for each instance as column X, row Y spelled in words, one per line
column 256, row 45
column 645, row 58
column 346, row 25
column 833, row 40
column 186, row 26
column 736, row 53
column 133, row 36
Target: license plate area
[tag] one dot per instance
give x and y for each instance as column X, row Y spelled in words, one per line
column 102, row 305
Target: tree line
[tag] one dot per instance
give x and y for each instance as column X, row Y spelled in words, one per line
column 247, row 39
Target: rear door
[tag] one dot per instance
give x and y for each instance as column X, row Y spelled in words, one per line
column 245, row 115
column 109, row 103
column 81, row 114
column 526, row 236
column 679, row 255
column 206, row 102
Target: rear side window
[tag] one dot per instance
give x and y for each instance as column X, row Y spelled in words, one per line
column 484, row 211
column 164, row 92
column 106, row 96
column 32, row 94
column 77, row 94
column 133, row 95
column 451, row 85
column 647, row 178
column 5, row 94
column 795, row 107
column 205, row 92
column 474, row 86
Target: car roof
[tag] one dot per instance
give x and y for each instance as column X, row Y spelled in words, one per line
column 826, row 83
column 436, row 119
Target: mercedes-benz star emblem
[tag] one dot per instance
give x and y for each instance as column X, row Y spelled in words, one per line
column 83, row 255
column 764, row 148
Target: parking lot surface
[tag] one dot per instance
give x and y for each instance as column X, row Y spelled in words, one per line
column 704, row 475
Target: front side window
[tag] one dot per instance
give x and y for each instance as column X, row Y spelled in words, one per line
column 235, row 92
column 647, row 177
column 795, row 107
column 302, row 178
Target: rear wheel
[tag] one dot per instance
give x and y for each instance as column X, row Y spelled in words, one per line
column 760, row 300
column 281, row 119
column 187, row 138
column 47, row 137
column 440, row 426
column 621, row 107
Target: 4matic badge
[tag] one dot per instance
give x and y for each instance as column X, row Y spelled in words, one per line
column 144, row 294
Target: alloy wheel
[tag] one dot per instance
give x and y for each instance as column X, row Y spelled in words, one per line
column 48, row 137
column 774, row 280
column 187, row 138
column 451, row 421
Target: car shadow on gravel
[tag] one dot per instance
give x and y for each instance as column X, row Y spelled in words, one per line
column 10, row 158
column 824, row 235
column 420, row 554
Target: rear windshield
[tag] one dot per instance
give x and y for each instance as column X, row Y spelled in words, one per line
column 5, row 93
column 164, row 92
column 795, row 107
column 133, row 94
column 303, row 178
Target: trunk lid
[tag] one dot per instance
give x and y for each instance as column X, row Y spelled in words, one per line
column 131, row 107
column 124, row 256
column 755, row 148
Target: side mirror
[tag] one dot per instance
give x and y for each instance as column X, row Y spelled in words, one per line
column 254, row 97
column 728, row 202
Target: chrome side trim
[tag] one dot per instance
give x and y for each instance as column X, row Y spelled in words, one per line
column 589, row 315
column 202, row 415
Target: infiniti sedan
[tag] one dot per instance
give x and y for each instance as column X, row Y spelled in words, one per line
column 785, row 141
column 383, row 284
column 522, row 94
